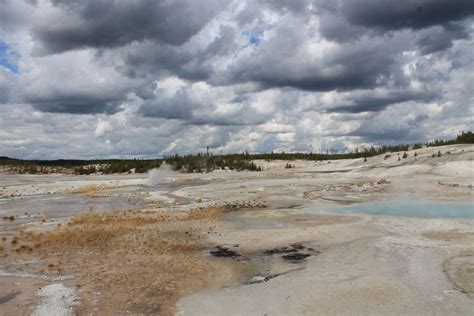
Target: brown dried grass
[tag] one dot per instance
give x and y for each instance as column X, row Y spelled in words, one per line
column 142, row 262
column 91, row 190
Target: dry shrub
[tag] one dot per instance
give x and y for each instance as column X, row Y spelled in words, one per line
column 207, row 214
column 81, row 238
column 140, row 261
column 91, row 190
column 112, row 219
column 154, row 203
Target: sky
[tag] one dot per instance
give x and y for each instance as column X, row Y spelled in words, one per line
column 147, row 78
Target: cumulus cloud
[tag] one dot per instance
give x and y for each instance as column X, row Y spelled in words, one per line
column 103, row 24
column 157, row 77
column 394, row 15
column 102, row 127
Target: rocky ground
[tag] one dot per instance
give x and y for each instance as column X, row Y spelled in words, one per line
column 228, row 243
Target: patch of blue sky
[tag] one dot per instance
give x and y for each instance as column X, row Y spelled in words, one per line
column 254, row 37
column 8, row 57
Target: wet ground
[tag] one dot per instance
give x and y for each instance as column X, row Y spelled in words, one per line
column 401, row 208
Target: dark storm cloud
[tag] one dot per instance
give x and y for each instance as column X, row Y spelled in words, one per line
column 184, row 106
column 77, row 105
column 82, row 106
column 347, row 67
column 113, row 23
column 177, row 107
column 74, row 90
column 375, row 60
column 348, row 20
column 373, row 102
column 244, row 116
column 439, row 38
column 336, row 28
column 150, row 39
column 190, row 63
column 394, row 15
column 406, row 132
column 402, row 134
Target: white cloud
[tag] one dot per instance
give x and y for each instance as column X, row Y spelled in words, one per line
column 102, row 127
column 319, row 75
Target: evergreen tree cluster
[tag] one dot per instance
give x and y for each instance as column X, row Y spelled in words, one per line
column 205, row 162
column 463, row 138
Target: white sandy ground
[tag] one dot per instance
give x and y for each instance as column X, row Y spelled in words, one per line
column 56, row 300
column 28, row 185
column 368, row 264
column 375, row 265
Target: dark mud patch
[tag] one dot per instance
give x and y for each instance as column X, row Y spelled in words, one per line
column 294, row 253
column 224, row 252
column 282, row 250
column 6, row 298
column 279, row 251
column 272, row 262
column 296, row 257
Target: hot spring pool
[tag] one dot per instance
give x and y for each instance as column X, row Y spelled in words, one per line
column 423, row 209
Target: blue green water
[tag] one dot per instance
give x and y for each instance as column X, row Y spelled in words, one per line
column 418, row 208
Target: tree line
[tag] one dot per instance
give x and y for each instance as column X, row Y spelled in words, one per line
column 204, row 162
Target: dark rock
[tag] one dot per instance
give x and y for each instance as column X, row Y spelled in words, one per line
column 289, row 249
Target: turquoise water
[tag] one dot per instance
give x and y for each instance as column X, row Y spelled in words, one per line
column 419, row 208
